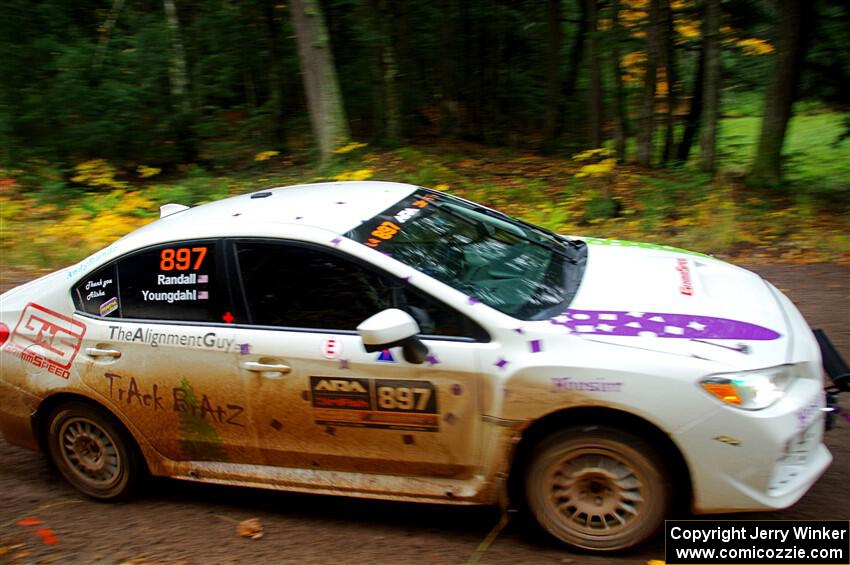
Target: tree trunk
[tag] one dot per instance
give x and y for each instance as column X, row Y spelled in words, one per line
column 275, row 75
column 574, row 60
column 793, row 25
column 711, row 86
column 390, row 116
column 596, row 109
column 553, row 74
column 668, row 60
column 692, row 122
column 620, row 126
column 645, row 141
column 324, row 102
column 179, row 82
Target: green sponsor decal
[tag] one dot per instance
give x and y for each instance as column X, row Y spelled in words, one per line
column 624, row 243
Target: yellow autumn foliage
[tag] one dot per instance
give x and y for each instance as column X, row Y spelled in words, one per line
column 97, row 173
column 265, row 155
column 597, row 169
column 349, row 148
column 755, row 46
column 360, row 174
column 145, row 172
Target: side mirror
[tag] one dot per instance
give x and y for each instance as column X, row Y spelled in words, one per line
column 393, row 328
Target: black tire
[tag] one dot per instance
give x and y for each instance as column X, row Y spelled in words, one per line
column 597, row 488
column 92, row 451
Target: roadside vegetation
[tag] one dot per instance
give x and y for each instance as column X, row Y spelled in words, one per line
column 52, row 218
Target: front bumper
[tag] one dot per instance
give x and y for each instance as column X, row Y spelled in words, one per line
column 758, row 460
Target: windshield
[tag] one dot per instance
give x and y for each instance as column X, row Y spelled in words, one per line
column 521, row 270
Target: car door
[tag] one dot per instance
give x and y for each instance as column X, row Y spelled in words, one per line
column 159, row 350
column 320, row 400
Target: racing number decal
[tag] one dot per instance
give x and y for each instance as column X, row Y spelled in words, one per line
column 406, row 396
column 181, row 259
column 375, row 403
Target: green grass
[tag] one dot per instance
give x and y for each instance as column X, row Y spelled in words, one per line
column 813, row 156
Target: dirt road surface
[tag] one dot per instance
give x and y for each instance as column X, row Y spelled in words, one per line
column 176, row 522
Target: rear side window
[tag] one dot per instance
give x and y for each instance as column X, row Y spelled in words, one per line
column 97, row 294
column 167, row 282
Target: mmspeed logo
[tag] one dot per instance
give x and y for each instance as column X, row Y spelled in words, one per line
column 46, row 339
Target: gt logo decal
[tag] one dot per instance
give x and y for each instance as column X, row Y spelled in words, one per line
column 46, row 339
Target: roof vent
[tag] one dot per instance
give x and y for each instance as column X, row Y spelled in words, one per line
column 261, row 195
column 170, row 209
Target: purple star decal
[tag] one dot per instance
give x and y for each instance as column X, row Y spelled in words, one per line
column 457, row 389
column 519, row 330
column 536, row 345
column 501, row 363
column 340, row 202
column 237, row 214
column 343, row 364
column 472, row 301
column 336, row 241
column 660, row 324
column 299, row 218
column 432, row 360
column 244, row 349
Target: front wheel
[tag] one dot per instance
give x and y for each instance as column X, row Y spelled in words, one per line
column 597, row 488
column 92, row 451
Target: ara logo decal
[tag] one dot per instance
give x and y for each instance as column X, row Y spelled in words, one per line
column 339, row 385
column 386, row 356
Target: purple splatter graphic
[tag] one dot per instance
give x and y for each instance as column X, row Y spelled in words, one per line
column 343, row 364
column 336, row 241
column 536, row 345
column 657, row 324
column 237, row 214
column 432, row 360
column 519, row 330
column 457, row 389
column 244, row 349
column 501, row 363
column 472, row 301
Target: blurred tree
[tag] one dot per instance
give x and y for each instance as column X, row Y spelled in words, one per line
column 710, row 87
column 327, row 114
column 621, row 130
column 596, row 106
column 646, row 133
column 793, row 25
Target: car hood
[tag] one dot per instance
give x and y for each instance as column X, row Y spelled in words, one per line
column 653, row 297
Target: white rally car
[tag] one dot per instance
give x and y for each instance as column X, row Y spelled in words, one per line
column 384, row 340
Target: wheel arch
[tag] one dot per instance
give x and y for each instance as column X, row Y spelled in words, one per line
column 553, row 422
column 40, row 419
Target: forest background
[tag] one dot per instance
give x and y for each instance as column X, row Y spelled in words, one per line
column 720, row 126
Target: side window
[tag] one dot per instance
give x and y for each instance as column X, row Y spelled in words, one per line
column 97, row 294
column 170, row 282
column 301, row 287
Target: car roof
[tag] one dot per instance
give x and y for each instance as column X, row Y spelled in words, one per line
column 335, row 206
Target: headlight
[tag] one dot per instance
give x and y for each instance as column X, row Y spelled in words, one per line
column 750, row 390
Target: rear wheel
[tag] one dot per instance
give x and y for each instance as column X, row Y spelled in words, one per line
column 597, row 488
column 92, row 451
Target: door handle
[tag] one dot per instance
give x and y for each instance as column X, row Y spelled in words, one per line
column 96, row 352
column 256, row 367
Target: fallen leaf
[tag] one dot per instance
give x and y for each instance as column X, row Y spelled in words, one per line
column 47, row 536
column 31, row 521
column 250, row 528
